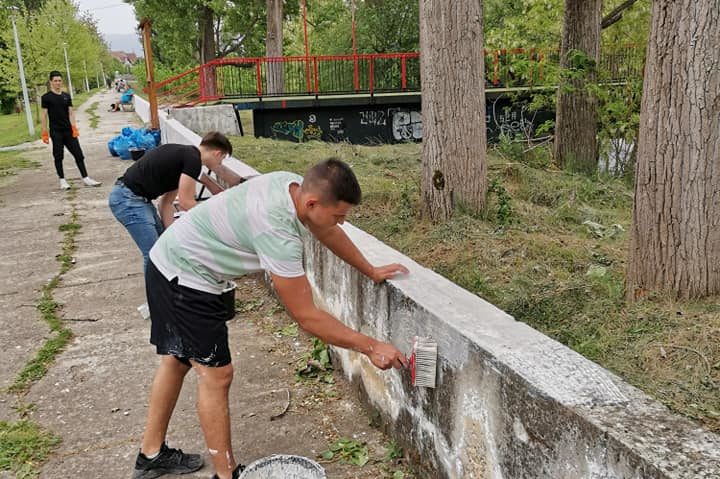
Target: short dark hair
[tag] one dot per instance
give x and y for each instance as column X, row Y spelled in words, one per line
column 217, row 141
column 334, row 180
column 54, row 74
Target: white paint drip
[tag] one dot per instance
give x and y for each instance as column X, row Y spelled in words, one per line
column 520, row 431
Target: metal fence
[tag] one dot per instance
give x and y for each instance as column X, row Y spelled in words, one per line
column 260, row 77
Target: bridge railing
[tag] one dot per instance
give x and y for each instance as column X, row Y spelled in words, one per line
column 259, row 77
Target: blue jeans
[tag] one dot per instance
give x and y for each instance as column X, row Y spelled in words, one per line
column 138, row 215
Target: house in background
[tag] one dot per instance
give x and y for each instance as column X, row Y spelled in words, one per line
column 127, row 59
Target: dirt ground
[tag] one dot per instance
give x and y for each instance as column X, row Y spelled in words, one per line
column 95, row 394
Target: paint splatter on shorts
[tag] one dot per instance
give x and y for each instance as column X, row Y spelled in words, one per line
column 187, row 323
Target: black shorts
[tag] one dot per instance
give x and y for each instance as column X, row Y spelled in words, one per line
column 187, row 323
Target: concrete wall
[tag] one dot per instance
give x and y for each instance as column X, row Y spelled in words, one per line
column 202, row 119
column 510, row 403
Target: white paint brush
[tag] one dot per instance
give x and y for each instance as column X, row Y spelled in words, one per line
column 423, row 362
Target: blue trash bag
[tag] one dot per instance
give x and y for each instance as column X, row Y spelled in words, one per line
column 137, row 135
column 156, row 134
column 127, row 131
column 111, row 147
column 146, row 141
column 122, row 146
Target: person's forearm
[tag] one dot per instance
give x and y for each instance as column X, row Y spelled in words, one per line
column 339, row 243
column 71, row 114
column 166, row 208
column 227, row 176
column 43, row 119
column 322, row 325
column 211, row 184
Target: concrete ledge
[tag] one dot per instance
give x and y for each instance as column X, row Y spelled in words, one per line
column 511, row 403
column 202, row 119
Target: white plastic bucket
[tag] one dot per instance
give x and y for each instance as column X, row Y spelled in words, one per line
column 281, row 466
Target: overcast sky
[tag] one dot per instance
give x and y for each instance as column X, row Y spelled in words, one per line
column 113, row 16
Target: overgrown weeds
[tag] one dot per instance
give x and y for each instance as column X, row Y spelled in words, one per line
column 550, row 249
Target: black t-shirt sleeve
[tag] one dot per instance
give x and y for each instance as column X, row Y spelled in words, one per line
column 192, row 166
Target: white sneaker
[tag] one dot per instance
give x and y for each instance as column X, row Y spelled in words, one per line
column 64, row 185
column 90, row 182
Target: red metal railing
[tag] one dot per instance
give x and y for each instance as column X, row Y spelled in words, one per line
column 261, row 77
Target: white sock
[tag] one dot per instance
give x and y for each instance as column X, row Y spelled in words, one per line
column 153, row 456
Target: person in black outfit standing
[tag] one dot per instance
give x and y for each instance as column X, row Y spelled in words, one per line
column 57, row 107
column 167, row 172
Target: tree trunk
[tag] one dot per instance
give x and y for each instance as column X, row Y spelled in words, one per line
column 675, row 243
column 207, row 48
column 576, row 145
column 453, row 106
column 274, row 46
column 207, row 34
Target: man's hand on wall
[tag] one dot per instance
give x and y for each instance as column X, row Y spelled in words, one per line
column 381, row 273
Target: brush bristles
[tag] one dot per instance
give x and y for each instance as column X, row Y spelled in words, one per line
column 424, row 361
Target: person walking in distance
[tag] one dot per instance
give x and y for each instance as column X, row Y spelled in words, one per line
column 59, row 125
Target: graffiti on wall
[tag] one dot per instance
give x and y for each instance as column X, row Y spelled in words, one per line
column 391, row 122
column 296, row 129
column 406, row 125
column 506, row 121
column 293, row 129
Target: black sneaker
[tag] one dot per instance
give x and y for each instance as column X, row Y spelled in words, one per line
column 236, row 472
column 169, row 461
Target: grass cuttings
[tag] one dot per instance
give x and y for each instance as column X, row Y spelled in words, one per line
column 550, row 249
column 12, row 161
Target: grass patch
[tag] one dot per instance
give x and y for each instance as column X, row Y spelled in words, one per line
column 48, row 307
column 94, row 117
column 550, row 249
column 12, row 161
column 13, row 127
column 23, row 447
column 14, row 130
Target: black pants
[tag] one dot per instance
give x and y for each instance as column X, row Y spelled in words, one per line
column 60, row 140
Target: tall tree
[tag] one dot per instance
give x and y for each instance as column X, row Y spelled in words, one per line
column 675, row 243
column 576, row 117
column 453, row 106
column 274, row 46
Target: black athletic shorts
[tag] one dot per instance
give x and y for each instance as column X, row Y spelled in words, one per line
column 187, row 323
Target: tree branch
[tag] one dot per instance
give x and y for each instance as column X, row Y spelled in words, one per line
column 616, row 14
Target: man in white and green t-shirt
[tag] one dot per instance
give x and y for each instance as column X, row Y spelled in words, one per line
column 258, row 225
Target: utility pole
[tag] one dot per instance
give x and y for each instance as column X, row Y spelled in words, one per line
column 352, row 11
column 103, row 75
column 26, row 101
column 146, row 25
column 67, row 68
column 307, row 47
column 87, row 83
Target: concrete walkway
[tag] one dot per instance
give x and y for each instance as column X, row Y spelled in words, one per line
column 95, row 395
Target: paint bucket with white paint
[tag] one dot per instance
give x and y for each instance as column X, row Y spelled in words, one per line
column 285, row 467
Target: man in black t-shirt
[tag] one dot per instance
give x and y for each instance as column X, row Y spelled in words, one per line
column 57, row 107
column 167, row 172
